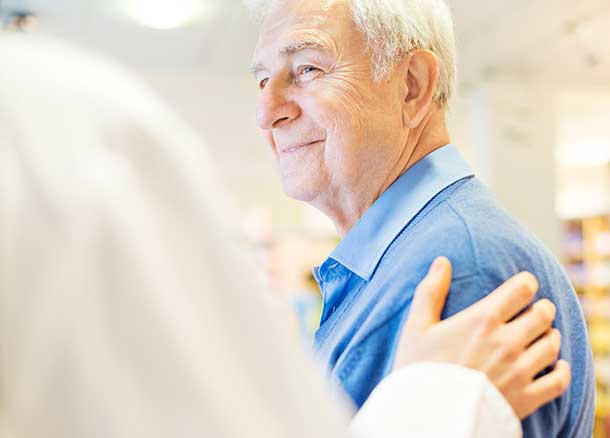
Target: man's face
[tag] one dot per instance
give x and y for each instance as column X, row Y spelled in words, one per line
column 330, row 127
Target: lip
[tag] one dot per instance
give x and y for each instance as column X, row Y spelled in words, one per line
column 293, row 149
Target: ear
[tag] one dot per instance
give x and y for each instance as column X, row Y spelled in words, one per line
column 421, row 78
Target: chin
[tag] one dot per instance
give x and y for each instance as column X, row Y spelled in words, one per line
column 299, row 191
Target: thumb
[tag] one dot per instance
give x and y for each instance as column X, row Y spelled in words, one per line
column 430, row 296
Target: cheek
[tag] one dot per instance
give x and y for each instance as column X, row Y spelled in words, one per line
column 336, row 106
column 366, row 112
column 351, row 109
column 345, row 110
column 360, row 127
column 343, row 136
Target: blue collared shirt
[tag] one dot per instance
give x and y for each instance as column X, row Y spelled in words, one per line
column 439, row 208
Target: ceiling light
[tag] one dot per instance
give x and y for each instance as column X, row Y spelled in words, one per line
column 167, row 14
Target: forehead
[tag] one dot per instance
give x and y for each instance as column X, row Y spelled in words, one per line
column 298, row 22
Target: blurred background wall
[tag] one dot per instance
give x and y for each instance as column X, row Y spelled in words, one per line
column 532, row 115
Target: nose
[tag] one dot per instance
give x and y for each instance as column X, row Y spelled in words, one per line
column 275, row 108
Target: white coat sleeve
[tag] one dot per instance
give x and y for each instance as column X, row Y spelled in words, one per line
column 431, row 400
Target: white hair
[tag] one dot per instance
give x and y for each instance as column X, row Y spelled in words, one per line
column 393, row 28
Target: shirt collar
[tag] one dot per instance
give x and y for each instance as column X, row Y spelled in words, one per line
column 362, row 248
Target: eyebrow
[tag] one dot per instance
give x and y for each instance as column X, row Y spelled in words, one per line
column 291, row 49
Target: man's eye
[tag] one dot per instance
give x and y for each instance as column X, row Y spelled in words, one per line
column 308, row 69
column 262, row 83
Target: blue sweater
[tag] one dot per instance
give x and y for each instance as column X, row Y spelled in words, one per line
column 438, row 208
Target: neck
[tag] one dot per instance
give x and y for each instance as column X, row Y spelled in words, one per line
column 345, row 208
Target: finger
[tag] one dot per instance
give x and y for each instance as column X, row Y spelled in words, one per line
column 532, row 324
column 510, row 298
column 430, row 296
column 547, row 388
column 540, row 355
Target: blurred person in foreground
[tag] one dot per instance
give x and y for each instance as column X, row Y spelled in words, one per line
column 353, row 97
column 126, row 311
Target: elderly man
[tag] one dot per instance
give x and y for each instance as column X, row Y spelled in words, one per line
column 352, row 104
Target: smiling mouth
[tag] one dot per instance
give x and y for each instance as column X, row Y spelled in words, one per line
column 296, row 148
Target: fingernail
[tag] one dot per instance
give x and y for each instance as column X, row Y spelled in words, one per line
column 438, row 264
column 531, row 281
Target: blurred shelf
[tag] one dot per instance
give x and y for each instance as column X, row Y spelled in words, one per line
column 586, row 257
